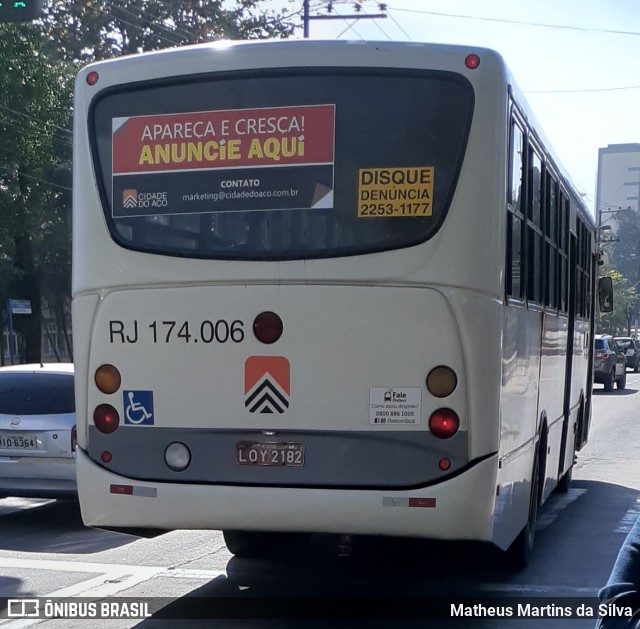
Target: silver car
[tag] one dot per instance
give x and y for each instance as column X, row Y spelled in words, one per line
column 37, row 431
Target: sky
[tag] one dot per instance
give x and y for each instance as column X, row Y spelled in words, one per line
column 577, row 61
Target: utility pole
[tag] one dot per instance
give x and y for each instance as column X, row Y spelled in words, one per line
column 307, row 17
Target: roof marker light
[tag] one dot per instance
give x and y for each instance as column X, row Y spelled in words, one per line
column 472, row 61
column 92, row 78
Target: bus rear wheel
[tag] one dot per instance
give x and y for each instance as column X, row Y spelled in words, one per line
column 520, row 551
column 254, row 544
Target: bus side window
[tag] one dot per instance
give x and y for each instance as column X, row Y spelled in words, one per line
column 515, row 276
column 534, row 227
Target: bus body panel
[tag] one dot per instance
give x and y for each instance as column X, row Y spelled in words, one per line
column 197, row 342
column 440, row 512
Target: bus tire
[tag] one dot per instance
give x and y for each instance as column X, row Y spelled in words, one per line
column 565, row 482
column 520, row 551
column 255, row 544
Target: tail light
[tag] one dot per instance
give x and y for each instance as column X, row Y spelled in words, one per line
column 74, row 439
column 106, row 418
column 444, row 423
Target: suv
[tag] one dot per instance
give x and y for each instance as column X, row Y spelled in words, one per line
column 610, row 363
column 631, row 347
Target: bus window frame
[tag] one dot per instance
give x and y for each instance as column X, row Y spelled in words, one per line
column 302, row 71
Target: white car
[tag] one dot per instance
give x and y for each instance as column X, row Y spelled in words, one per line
column 37, row 431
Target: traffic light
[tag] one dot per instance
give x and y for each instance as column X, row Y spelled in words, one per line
column 20, row 10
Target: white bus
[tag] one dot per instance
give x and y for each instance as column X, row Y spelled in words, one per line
column 335, row 287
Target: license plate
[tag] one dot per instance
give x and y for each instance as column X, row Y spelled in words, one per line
column 18, row 441
column 270, row 454
column 630, row 352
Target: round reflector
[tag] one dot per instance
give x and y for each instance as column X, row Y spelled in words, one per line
column 444, row 464
column 472, row 61
column 106, row 456
column 106, row 418
column 107, row 378
column 267, row 327
column 441, row 381
column 92, row 78
column 444, row 423
column 177, row 456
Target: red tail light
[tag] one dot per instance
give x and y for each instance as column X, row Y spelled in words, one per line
column 444, row 423
column 106, row 418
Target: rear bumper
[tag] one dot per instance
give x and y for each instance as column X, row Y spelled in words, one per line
column 37, row 477
column 438, row 512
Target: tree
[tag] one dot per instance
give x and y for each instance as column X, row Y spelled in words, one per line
column 92, row 30
column 625, row 307
column 624, row 249
column 38, row 63
column 35, row 99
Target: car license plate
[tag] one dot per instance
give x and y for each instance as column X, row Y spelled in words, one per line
column 18, row 441
column 630, row 352
column 270, row 454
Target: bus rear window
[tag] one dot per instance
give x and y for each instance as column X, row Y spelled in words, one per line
column 314, row 163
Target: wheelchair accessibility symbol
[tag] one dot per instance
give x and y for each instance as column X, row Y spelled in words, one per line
column 138, row 408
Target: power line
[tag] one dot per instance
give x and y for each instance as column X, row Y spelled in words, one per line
column 400, row 26
column 307, row 17
column 579, row 91
column 140, row 27
column 381, row 29
column 521, row 22
column 349, row 27
column 44, row 181
column 39, row 120
column 151, row 23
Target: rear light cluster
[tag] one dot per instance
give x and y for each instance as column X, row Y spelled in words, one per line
column 107, row 419
column 105, row 416
column 444, row 422
column 442, row 382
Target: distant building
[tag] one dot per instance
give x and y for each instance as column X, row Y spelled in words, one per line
column 618, row 181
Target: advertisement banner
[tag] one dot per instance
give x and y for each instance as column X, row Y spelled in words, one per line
column 222, row 161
